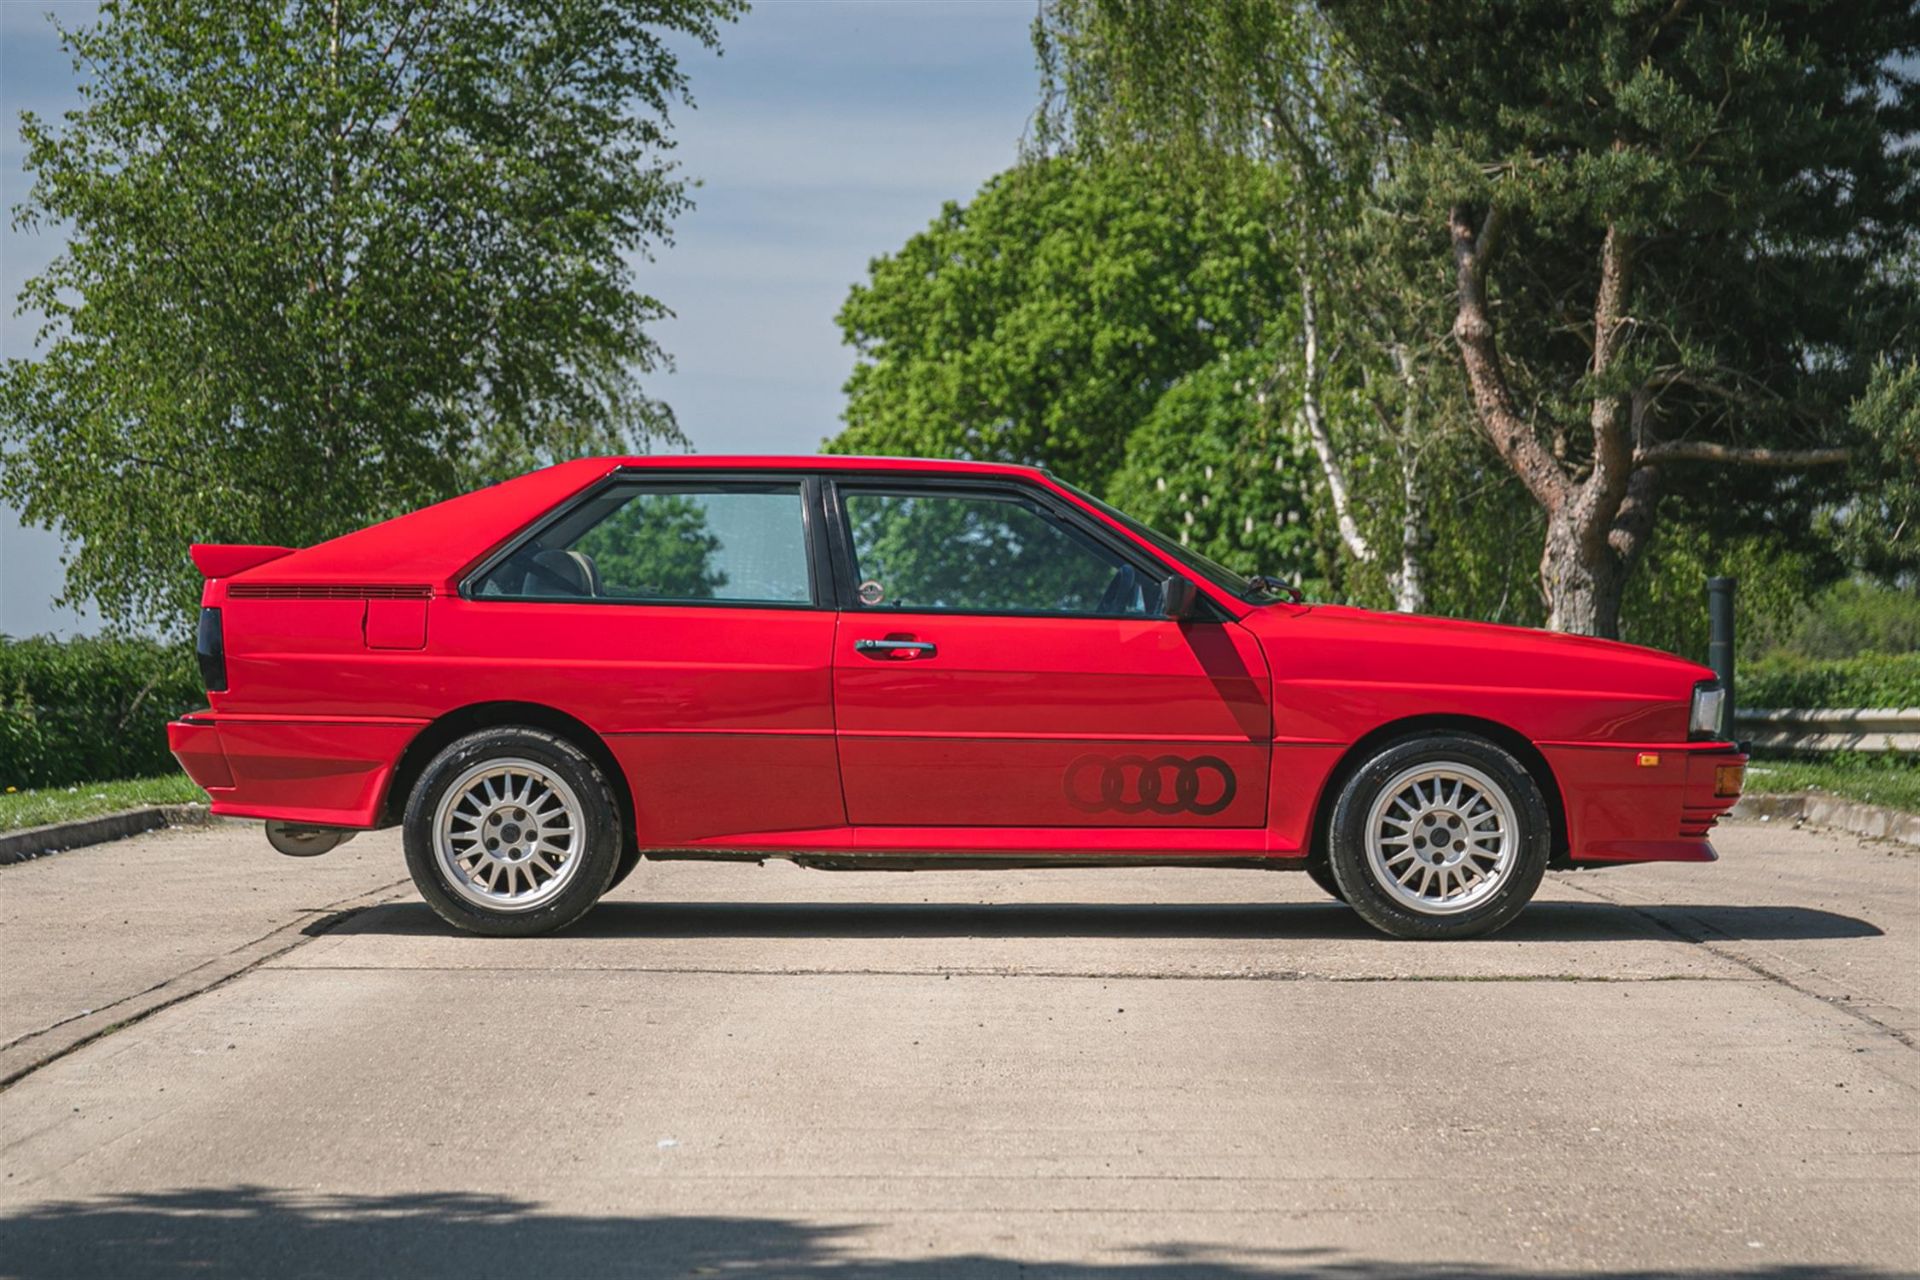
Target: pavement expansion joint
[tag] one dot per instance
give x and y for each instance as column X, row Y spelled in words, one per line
column 1719, row 947
column 1100, row 975
column 303, row 929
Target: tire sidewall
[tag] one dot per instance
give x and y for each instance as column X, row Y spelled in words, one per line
column 1347, row 833
column 600, row 844
column 1321, row 873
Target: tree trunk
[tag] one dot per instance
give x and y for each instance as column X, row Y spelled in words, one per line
column 1595, row 526
column 1410, row 582
column 1317, row 434
column 1581, row 578
column 1591, row 548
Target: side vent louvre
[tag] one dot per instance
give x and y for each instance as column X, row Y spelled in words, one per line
column 302, row 591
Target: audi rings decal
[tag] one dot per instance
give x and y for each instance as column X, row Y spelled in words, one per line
column 1166, row 785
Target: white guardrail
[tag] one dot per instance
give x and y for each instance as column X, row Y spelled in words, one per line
column 1830, row 729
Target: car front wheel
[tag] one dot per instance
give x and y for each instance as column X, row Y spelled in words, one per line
column 512, row 831
column 1321, row 873
column 1440, row 836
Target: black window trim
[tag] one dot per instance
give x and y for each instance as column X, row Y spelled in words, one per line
column 721, row 480
column 934, row 484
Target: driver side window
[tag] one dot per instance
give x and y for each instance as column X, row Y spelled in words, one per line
column 985, row 553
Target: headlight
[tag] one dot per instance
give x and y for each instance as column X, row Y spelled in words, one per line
column 1703, row 720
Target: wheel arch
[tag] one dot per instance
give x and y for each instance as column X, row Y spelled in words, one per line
column 1504, row 736
column 456, row 724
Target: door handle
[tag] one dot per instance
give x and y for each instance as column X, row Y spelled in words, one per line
column 888, row 648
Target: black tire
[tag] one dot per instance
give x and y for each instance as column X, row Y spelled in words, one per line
column 597, row 844
column 1322, row 874
column 1361, row 884
column 629, row 859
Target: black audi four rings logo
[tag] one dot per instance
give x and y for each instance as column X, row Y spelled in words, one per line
column 1201, row 786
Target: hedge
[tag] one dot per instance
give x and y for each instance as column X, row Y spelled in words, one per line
column 90, row 710
column 1871, row 680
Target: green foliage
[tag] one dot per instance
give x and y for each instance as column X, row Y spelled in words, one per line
column 330, row 260
column 1041, row 322
column 1665, row 603
column 1483, row 537
column 1879, row 527
column 1747, row 169
column 1226, row 471
column 90, row 709
column 1203, row 91
column 1847, row 620
column 1750, row 160
column 1872, row 680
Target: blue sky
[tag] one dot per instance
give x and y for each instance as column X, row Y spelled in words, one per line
column 827, row 132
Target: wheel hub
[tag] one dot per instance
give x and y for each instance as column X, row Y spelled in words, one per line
column 507, row 834
column 1441, row 838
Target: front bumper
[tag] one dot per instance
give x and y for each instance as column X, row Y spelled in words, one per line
column 327, row 772
column 1645, row 803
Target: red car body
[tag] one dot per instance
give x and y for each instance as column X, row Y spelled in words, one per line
column 736, row 729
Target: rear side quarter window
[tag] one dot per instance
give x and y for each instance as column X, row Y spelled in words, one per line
column 664, row 543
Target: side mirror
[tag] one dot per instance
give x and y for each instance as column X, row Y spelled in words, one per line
column 1179, row 598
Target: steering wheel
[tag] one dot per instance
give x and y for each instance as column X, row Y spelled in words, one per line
column 575, row 584
column 1119, row 592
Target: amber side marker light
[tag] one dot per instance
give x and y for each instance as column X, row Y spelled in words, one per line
column 1649, row 759
column 1728, row 779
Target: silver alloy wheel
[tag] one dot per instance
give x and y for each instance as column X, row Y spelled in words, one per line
column 508, row 834
column 1441, row 837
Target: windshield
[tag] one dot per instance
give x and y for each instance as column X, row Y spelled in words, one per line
column 1212, row 570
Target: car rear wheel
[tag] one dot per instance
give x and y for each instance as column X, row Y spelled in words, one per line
column 512, row 832
column 1440, row 836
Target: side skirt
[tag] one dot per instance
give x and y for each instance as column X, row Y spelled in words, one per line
column 961, row 862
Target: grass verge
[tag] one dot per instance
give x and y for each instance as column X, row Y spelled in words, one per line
column 1889, row 782
column 46, row 805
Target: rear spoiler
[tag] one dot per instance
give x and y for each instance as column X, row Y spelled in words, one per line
column 223, row 560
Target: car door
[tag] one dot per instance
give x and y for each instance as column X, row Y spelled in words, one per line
column 1001, row 661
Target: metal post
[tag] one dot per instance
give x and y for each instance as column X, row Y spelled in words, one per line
column 1720, row 645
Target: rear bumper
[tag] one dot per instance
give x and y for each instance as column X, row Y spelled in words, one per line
column 1645, row 803
column 329, row 772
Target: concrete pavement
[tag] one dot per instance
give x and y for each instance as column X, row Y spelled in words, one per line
column 1156, row 1073
column 94, row 936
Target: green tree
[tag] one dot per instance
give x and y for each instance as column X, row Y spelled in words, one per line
column 331, row 259
column 1042, row 321
column 1672, row 237
column 1673, row 233
column 1204, row 90
column 1879, row 527
column 1225, row 468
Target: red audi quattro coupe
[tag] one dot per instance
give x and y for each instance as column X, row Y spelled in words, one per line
column 899, row 664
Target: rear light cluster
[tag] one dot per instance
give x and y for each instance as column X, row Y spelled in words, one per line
column 210, row 646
